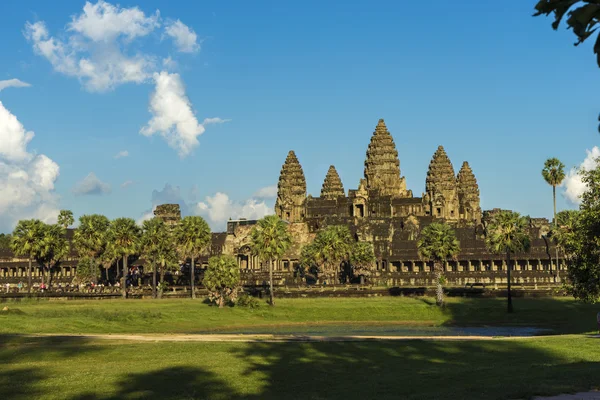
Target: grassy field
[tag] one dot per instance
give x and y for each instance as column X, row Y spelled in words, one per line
column 192, row 316
column 54, row 368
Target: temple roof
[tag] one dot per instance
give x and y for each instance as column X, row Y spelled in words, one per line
column 382, row 166
column 332, row 186
column 467, row 184
column 440, row 176
column 291, row 178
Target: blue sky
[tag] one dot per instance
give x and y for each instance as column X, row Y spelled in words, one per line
column 494, row 86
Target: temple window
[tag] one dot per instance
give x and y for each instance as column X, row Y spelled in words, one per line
column 438, row 210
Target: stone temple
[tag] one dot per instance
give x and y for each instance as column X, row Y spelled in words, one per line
column 381, row 211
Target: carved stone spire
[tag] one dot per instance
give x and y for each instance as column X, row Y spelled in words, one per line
column 440, row 187
column 291, row 190
column 468, row 194
column 382, row 166
column 332, row 186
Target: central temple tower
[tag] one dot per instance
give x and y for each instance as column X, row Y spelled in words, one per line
column 382, row 166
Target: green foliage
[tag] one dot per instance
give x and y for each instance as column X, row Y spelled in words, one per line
column 438, row 242
column 247, row 301
column 222, row 279
column 270, row 238
column 580, row 238
column 330, row 248
column 564, row 235
column 26, row 237
column 123, row 234
column 65, row 218
column 156, row 243
column 52, row 247
column 507, row 232
column 5, row 241
column 86, row 271
column 553, row 172
column 91, row 237
column 192, row 236
column 362, row 258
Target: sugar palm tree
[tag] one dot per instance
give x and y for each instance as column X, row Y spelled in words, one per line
column 124, row 234
column 65, row 218
column 554, row 174
column 362, row 259
column 52, row 248
column 155, row 239
column 25, row 241
column 507, row 233
column 270, row 240
column 334, row 245
column 192, row 236
column 438, row 243
column 91, row 238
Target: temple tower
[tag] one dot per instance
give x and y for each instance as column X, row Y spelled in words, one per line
column 441, row 195
column 291, row 190
column 332, row 186
column 169, row 213
column 468, row 194
column 382, row 166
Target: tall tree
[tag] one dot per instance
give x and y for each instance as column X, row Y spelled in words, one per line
column 65, row 218
column 362, row 259
column 193, row 236
column 554, row 174
column 154, row 242
column 582, row 240
column 52, row 248
column 331, row 247
column 124, row 234
column 5, row 241
column 438, row 243
column 91, row 238
column 25, row 241
column 507, row 233
column 270, row 240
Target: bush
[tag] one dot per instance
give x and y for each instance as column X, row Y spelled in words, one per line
column 222, row 279
column 247, row 301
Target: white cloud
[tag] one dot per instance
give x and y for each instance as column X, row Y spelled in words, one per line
column 91, row 185
column 216, row 120
column 219, row 208
column 13, row 83
column 127, row 184
column 173, row 117
column 121, row 154
column 268, row 192
column 184, row 37
column 145, row 216
column 574, row 186
column 26, row 179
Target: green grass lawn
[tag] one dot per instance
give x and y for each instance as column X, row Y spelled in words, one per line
column 66, row 369
column 190, row 316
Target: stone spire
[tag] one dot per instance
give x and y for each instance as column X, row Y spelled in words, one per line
column 468, row 194
column 291, row 190
column 332, row 186
column 440, row 187
column 382, row 166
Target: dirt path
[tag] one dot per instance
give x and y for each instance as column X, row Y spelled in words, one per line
column 265, row 337
column 592, row 395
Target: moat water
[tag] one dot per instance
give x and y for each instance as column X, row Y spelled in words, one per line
column 386, row 330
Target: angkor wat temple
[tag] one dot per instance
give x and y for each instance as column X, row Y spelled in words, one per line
column 382, row 211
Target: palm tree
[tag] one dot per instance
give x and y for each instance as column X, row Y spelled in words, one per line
column 155, row 239
column 554, row 174
column 123, row 234
column 25, row 241
column 91, row 238
column 507, row 233
column 52, row 248
column 270, row 240
column 362, row 259
column 333, row 246
column 65, row 218
column 438, row 243
column 193, row 236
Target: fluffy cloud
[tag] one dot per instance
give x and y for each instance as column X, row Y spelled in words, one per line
column 268, row 192
column 574, row 187
column 97, row 48
column 219, row 208
column 184, row 37
column 173, row 117
column 121, row 154
column 91, row 185
column 26, row 179
column 216, row 209
column 13, row 83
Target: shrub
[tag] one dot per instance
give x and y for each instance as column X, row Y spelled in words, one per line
column 247, row 301
column 222, row 279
